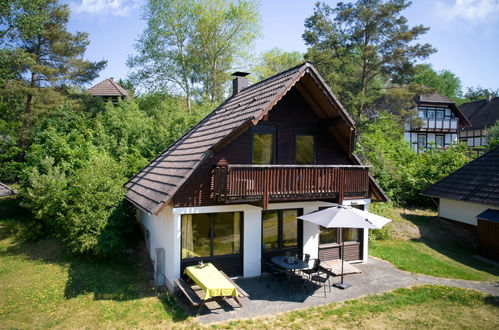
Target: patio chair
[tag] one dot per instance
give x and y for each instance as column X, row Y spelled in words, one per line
column 296, row 281
column 306, row 257
column 313, row 267
column 276, row 274
column 321, row 277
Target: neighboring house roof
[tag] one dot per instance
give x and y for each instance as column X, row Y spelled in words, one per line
column 5, row 190
column 475, row 182
column 434, row 98
column 438, row 99
column 108, row 87
column 157, row 183
column 482, row 113
column 489, row 215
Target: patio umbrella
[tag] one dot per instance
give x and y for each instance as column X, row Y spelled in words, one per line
column 343, row 216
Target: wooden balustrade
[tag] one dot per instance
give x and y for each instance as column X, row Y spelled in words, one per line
column 246, row 183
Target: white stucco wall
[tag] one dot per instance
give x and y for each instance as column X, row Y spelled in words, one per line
column 461, row 211
column 165, row 232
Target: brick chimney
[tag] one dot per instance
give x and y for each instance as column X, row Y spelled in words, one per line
column 240, row 82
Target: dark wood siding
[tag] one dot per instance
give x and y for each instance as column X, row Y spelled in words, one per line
column 353, row 251
column 290, row 114
column 488, row 243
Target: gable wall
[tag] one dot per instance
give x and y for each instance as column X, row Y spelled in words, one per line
column 288, row 115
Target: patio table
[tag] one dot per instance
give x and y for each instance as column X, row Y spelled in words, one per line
column 213, row 282
column 281, row 261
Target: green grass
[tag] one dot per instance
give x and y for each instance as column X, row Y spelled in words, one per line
column 421, row 244
column 424, row 306
column 44, row 287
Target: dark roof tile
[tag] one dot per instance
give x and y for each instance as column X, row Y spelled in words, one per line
column 177, row 162
column 476, row 182
column 481, row 114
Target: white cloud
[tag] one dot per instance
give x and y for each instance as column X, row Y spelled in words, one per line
column 470, row 10
column 106, row 7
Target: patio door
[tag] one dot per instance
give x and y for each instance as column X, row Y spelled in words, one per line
column 282, row 233
column 215, row 238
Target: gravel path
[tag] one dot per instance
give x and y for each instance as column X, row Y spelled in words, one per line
column 377, row 276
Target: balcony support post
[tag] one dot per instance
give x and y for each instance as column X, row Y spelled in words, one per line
column 222, row 171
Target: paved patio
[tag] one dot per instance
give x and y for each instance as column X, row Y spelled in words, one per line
column 267, row 298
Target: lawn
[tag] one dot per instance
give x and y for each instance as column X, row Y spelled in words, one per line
column 421, row 244
column 44, row 287
column 425, row 306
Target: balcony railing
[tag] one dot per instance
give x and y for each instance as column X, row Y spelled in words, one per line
column 445, row 124
column 249, row 183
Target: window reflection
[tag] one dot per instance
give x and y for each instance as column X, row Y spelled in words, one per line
column 263, row 148
column 289, row 228
column 304, row 149
column 350, row 234
column 205, row 235
column 328, row 235
column 270, row 221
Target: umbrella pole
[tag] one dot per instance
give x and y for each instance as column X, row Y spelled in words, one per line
column 342, row 285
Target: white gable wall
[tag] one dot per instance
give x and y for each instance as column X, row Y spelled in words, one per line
column 465, row 212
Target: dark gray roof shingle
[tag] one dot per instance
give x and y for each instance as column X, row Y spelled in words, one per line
column 475, row 182
column 481, row 114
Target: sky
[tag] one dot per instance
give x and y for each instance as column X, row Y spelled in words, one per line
column 465, row 33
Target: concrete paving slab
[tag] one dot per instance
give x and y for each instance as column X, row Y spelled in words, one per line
column 269, row 298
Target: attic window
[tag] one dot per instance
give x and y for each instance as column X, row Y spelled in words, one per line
column 263, row 145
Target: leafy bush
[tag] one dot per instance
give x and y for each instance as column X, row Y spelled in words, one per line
column 78, row 162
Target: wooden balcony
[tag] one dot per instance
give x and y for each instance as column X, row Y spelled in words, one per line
column 252, row 183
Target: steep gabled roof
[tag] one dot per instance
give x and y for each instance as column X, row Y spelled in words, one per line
column 475, row 182
column 5, row 190
column 157, row 183
column 438, row 99
column 481, row 113
column 108, row 87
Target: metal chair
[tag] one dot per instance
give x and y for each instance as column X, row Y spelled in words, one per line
column 313, row 269
column 276, row 274
column 322, row 277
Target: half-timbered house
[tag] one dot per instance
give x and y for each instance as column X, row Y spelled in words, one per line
column 440, row 122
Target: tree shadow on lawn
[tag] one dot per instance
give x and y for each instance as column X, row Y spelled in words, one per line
column 119, row 278
column 451, row 241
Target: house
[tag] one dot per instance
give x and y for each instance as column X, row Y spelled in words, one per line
column 441, row 120
column 230, row 190
column 469, row 197
column 5, row 190
column 481, row 114
column 108, row 89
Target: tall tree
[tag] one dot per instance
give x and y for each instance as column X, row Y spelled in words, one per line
column 275, row 61
column 36, row 30
column 367, row 42
column 479, row 93
column 190, row 46
column 38, row 57
column 444, row 81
